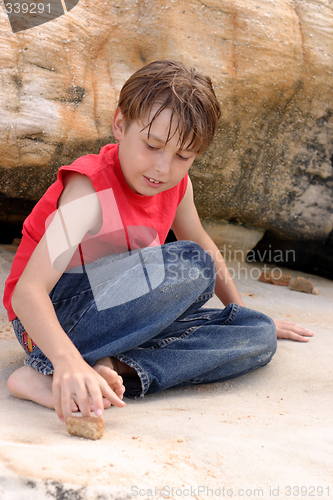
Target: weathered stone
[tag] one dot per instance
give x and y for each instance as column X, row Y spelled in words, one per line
column 280, row 279
column 234, row 240
column 303, row 285
column 86, row 427
column 271, row 62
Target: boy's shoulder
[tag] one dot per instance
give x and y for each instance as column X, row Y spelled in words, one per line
column 106, row 156
column 99, row 168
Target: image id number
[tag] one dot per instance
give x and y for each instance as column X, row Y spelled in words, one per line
column 308, row 491
column 25, row 8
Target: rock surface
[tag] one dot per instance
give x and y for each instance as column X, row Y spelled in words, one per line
column 271, row 62
column 234, row 240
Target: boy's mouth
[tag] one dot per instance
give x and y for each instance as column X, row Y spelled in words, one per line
column 152, row 181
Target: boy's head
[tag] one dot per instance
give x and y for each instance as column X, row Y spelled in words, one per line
column 188, row 94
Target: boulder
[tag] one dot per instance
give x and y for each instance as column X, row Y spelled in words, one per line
column 234, row 240
column 270, row 165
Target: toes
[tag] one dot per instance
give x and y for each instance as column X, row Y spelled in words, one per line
column 118, row 383
column 120, row 393
column 107, row 373
column 114, row 380
column 111, row 377
column 119, row 389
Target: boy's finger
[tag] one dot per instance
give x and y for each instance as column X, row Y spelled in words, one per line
column 109, row 394
column 82, row 399
column 66, row 402
column 291, row 335
column 96, row 398
column 299, row 338
column 300, row 329
column 56, row 401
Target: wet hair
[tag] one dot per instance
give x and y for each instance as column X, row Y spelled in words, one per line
column 187, row 93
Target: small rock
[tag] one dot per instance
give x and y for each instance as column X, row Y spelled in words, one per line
column 265, row 277
column 281, row 280
column 86, row 427
column 303, row 285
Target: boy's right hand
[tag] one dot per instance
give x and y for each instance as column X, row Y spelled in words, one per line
column 76, row 380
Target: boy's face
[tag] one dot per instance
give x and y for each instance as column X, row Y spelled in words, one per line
column 149, row 165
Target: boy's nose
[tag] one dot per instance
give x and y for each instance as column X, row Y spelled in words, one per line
column 164, row 164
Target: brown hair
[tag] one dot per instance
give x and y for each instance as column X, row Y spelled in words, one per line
column 188, row 94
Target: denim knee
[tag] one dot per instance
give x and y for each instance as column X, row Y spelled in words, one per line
column 263, row 332
column 268, row 337
column 188, row 260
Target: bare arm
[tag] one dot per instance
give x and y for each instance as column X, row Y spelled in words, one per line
column 187, row 226
column 32, row 304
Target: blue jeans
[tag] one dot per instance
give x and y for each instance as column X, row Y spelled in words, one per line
column 164, row 333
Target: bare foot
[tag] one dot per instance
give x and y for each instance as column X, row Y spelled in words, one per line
column 108, row 369
column 27, row 383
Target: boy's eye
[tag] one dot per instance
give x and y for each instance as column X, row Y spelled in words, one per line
column 151, row 147
column 182, row 158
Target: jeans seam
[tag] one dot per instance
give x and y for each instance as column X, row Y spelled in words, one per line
column 169, row 340
column 81, row 316
column 39, row 366
column 206, row 296
column 143, row 376
column 65, row 299
column 203, row 316
column 232, row 315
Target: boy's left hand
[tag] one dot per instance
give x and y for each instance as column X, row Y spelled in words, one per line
column 292, row 331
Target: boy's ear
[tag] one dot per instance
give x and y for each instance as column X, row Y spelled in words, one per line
column 118, row 124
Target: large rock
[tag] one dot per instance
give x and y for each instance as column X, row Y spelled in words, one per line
column 234, row 240
column 270, row 60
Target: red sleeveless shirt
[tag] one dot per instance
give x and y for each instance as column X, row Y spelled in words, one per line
column 130, row 220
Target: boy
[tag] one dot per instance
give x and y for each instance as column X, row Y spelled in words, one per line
column 97, row 300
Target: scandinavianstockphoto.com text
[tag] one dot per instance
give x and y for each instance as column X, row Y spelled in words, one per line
column 232, row 492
